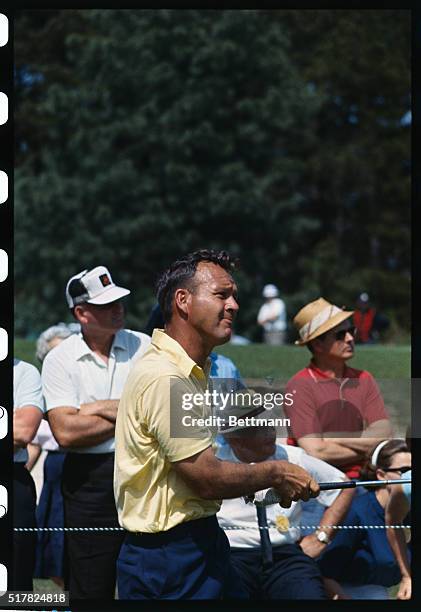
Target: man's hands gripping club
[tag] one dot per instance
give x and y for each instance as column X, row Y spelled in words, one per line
column 214, row 479
column 294, row 484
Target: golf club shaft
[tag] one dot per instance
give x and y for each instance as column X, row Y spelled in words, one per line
column 351, row 484
column 273, row 497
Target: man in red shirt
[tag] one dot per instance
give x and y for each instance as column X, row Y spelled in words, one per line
column 368, row 322
column 338, row 413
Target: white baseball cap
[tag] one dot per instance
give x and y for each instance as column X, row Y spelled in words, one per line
column 94, row 287
column 270, row 291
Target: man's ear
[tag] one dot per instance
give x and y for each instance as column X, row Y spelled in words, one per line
column 317, row 345
column 79, row 313
column 182, row 298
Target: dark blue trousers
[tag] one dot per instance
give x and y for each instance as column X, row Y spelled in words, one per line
column 292, row 575
column 189, row 561
column 50, row 513
column 24, row 543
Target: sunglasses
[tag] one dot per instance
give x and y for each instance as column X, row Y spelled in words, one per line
column 399, row 470
column 340, row 335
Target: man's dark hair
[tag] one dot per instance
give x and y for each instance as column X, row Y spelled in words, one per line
column 181, row 272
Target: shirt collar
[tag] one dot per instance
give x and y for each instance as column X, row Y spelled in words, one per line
column 320, row 376
column 120, row 340
column 186, row 364
column 83, row 349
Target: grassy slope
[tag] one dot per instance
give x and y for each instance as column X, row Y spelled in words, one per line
column 281, row 362
column 259, row 361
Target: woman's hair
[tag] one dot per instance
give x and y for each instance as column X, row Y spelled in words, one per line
column 384, row 458
column 55, row 331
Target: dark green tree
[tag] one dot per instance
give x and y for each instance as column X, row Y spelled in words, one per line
column 358, row 179
column 279, row 135
column 153, row 133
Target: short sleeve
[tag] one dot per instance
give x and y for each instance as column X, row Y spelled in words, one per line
column 27, row 390
column 175, row 417
column 57, row 384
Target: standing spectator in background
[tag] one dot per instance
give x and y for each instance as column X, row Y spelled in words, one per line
column 50, row 511
column 83, row 378
column 368, row 322
column 28, row 408
column 272, row 316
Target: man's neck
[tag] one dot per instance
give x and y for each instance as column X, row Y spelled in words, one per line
column 192, row 343
column 99, row 342
column 332, row 368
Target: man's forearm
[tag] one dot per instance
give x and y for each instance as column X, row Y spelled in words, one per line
column 331, row 450
column 103, row 408
column 397, row 543
column 79, row 430
column 238, row 479
column 229, row 480
column 370, row 437
column 395, row 512
column 360, row 445
column 335, row 514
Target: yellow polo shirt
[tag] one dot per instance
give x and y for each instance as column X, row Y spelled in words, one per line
column 150, row 495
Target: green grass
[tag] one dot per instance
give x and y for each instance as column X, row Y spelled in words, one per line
column 384, row 361
column 25, row 350
column 281, row 362
column 44, row 585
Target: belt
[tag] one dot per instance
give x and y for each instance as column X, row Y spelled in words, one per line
column 199, row 526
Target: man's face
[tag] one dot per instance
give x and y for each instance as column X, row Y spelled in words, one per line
column 212, row 304
column 337, row 343
column 254, row 444
column 363, row 306
column 107, row 317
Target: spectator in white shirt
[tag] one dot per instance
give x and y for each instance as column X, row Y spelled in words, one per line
column 272, row 316
column 284, row 566
column 28, row 408
column 83, row 378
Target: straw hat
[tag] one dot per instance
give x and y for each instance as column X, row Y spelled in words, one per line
column 318, row 317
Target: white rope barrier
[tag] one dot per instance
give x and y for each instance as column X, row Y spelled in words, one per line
column 54, row 529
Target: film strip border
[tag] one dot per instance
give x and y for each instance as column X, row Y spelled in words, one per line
column 6, row 295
